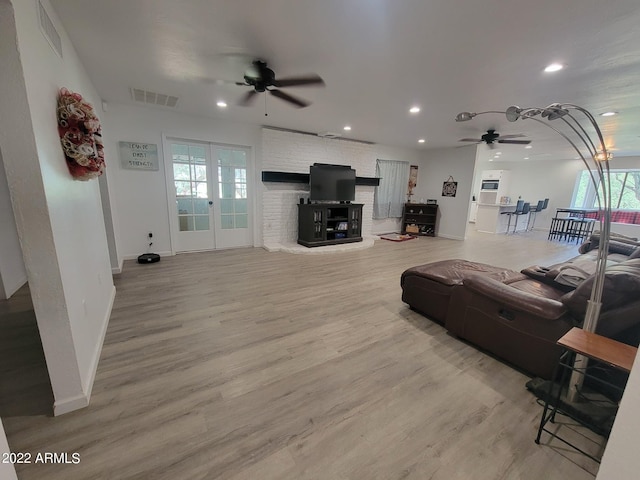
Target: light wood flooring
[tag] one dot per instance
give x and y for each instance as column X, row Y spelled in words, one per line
column 244, row 364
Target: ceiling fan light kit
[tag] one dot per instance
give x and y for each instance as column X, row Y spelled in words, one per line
column 593, row 153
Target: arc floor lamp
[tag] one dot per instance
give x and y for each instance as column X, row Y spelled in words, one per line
column 578, row 127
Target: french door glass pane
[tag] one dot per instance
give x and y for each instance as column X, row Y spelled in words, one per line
column 202, row 222
column 241, row 205
column 197, row 154
column 226, row 205
column 240, row 158
column 186, row 223
column 185, row 205
column 242, row 221
column 181, row 171
column 183, row 189
column 201, row 206
column 200, row 173
column 226, row 221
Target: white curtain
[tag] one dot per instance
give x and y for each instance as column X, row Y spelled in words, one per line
column 389, row 196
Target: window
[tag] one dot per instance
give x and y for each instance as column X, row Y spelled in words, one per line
column 625, row 190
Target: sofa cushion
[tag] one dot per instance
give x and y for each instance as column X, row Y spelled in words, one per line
column 621, row 286
column 453, row 272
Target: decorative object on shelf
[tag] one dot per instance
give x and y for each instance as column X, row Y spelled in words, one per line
column 432, row 201
column 594, row 154
column 449, row 187
column 80, row 136
column 413, row 181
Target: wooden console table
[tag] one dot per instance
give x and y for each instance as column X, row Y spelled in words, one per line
column 597, row 348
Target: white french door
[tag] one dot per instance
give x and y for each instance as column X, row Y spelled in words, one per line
column 212, row 198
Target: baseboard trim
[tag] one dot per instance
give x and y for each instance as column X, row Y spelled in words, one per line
column 450, row 237
column 60, row 407
column 87, row 386
column 118, row 270
column 136, row 255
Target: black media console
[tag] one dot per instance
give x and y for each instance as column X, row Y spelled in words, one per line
column 329, row 223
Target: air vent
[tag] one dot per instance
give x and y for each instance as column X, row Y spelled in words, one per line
column 153, row 98
column 49, row 31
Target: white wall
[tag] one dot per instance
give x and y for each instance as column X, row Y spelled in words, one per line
column 284, row 151
column 140, row 197
column 434, row 169
column 537, row 180
column 59, row 220
column 13, row 273
column 7, row 471
column 621, row 460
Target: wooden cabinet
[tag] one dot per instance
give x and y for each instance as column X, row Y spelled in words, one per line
column 329, row 223
column 420, row 219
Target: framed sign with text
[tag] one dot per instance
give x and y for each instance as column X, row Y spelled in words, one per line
column 139, row 156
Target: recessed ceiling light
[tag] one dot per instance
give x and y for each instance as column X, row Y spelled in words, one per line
column 528, row 146
column 498, row 153
column 526, row 158
column 422, row 140
column 414, row 109
column 491, row 159
column 608, row 114
column 554, row 67
column 347, row 128
column 222, row 104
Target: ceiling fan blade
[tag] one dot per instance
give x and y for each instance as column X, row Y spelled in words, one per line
column 516, row 142
column 476, row 140
column 288, row 98
column 515, row 135
column 310, row 79
column 248, row 98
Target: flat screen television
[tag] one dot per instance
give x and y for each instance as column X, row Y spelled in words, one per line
column 332, row 183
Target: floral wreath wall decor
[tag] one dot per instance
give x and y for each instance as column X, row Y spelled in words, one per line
column 80, row 136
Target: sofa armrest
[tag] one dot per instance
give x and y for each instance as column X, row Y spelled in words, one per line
column 517, row 299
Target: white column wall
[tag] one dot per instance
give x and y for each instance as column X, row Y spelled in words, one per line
column 434, row 169
column 59, row 220
column 13, row 273
column 7, row 471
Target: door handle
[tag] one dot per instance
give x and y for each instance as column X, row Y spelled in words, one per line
column 210, row 202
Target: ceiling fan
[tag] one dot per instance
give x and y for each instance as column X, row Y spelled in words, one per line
column 492, row 137
column 263, row 79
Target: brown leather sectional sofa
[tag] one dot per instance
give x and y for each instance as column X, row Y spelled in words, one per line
column 519, row 316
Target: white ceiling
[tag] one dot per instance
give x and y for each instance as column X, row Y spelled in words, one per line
column 378, row 58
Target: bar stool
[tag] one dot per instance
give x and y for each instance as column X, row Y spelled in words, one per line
column 533, row 212
column 525, row 211
column 519, row 207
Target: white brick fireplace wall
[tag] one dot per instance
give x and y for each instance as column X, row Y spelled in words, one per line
column 295, row 152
